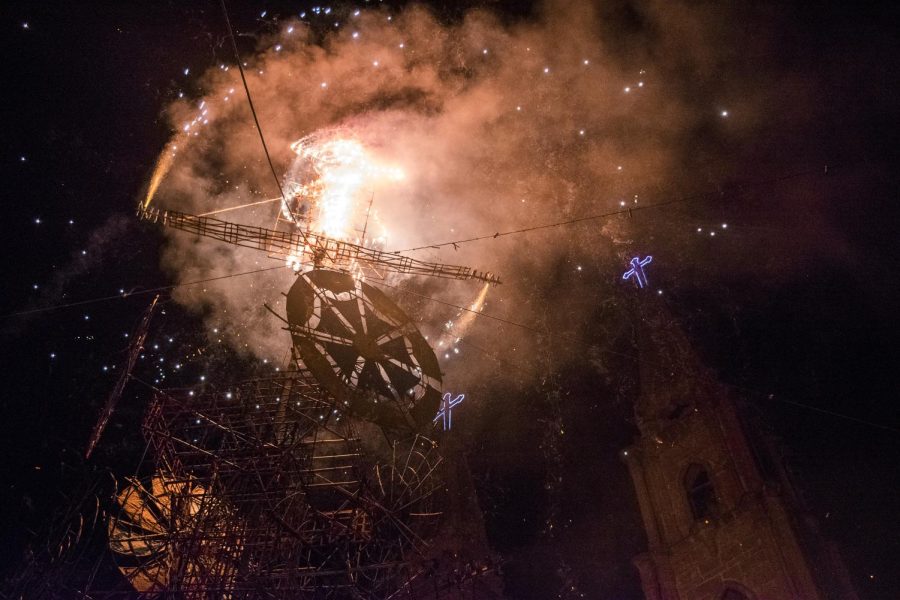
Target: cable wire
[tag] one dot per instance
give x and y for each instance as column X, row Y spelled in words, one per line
column 436, row 301
column 683, row 199
column 237, row 56
column 634, row 358
column 139, row 293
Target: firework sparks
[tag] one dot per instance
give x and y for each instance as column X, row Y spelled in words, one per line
column 454, row 330
column 330, row 180
column 163, row 163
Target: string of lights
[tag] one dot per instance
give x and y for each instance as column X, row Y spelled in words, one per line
column 626, row 211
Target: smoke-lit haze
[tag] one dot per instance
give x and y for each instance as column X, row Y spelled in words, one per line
column 495, row 127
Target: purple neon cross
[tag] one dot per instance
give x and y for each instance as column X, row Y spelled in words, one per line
column 637, row 270
column 446, row 412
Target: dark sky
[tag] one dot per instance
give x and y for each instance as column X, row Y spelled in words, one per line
column 799, row 311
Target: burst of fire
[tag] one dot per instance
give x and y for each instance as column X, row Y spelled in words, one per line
column 454, row 330
column 330, row 181
column 162, row 166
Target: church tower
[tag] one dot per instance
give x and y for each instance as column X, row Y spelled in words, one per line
column 723, row 520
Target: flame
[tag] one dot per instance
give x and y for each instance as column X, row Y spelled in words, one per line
column 163, row 164
column 454, row 330
column 464, row 322
column 331, row 178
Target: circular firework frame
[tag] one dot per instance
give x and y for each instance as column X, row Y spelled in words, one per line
column 364, row 349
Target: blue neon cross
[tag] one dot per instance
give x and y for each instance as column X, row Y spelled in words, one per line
column 446, row 412
column 637, row 270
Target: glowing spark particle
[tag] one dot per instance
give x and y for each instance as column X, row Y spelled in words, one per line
column 485, row 51
column 37, row 221
column 402, row 45
column 290, row 29
column 712, row 234
column 546, row 70
column 186, row 71
column 374, row 63
column 637, row 270
column 22, row 159
column 586, row 62
column 25, row 25
column 355, row 34
column 581, row 132
column 628, row 89
column 724, row 113
column 323, row 85
column 277, row 49
column 724, row 225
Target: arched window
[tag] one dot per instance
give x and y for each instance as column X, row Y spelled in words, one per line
column 700, row 492
column 733, row 594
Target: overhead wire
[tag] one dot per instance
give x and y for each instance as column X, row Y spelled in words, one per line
column 137, row 293
column 621, row 211
column 262, row 138
column 445, row 303
column 634, row 358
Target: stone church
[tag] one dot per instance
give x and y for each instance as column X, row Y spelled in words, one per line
column 722, row 517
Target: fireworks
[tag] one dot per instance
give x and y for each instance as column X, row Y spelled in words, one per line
column 330, row 181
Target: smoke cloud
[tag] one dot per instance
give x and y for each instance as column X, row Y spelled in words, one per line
column 577, row 110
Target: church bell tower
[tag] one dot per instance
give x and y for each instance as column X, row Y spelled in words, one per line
column 722, row 519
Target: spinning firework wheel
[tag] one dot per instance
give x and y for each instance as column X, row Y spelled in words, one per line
column 354, row 338
column 402, row 507
column 169, row 535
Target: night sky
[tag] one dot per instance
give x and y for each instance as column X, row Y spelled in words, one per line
column 793, row 302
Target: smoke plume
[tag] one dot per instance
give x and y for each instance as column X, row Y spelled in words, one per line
column 576, row 110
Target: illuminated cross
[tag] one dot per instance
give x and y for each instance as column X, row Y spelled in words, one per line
column 446, row 412
column 637, row 270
